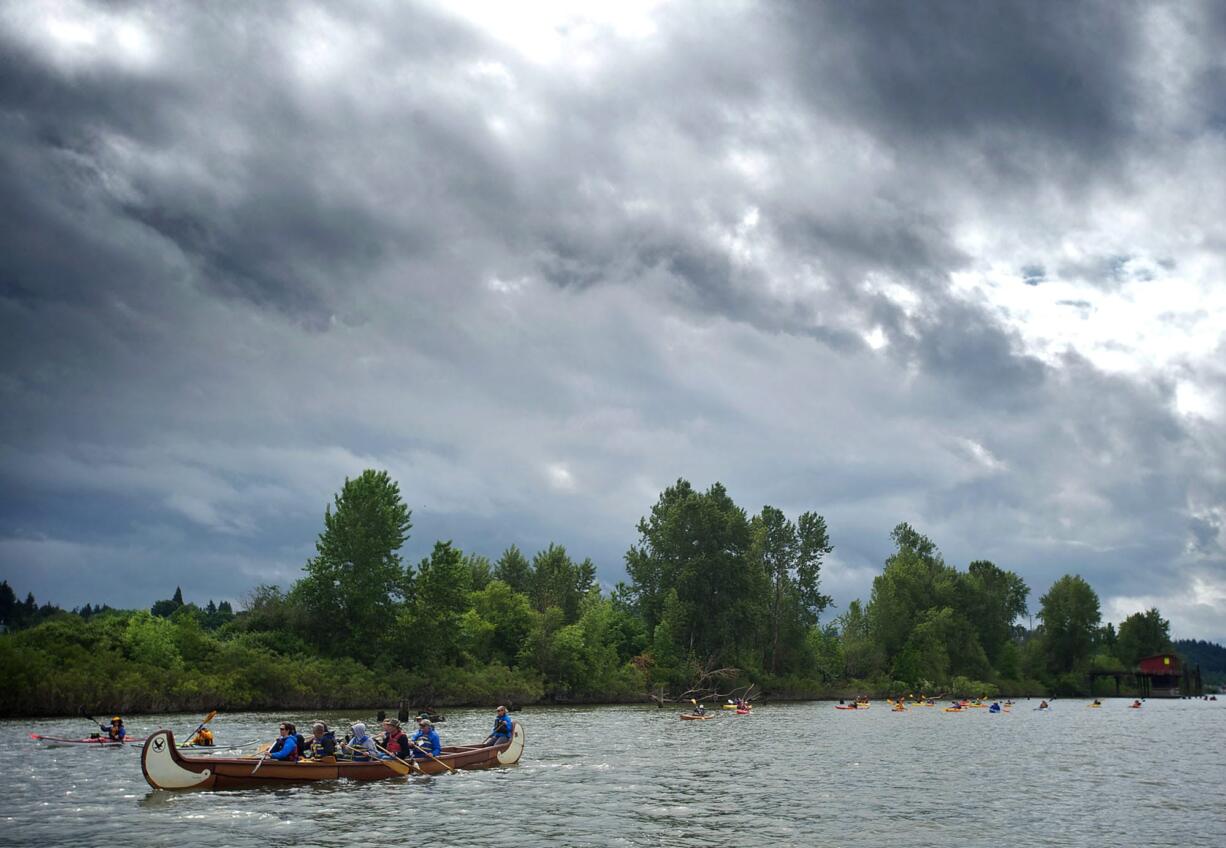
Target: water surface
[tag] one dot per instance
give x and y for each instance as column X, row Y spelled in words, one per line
column 789, row 774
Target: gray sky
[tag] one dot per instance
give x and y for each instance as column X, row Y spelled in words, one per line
column 955, row 264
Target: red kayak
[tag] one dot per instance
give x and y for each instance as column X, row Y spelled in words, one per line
column 96, row 741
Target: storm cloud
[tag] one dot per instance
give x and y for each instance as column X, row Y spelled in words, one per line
column 955, row 264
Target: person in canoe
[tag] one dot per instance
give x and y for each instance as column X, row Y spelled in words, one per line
column 502, row 728
column 115, row 731
column 1136, row 705
column 427, row 737
column 322, row 742
column 699, row 709
column 394, row 739
column 360, row 745
column 288, row 746
column 203, row 738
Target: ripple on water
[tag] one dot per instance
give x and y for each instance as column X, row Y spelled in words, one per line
column 793, row 774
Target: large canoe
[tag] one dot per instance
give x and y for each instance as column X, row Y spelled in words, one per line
column 166, row 768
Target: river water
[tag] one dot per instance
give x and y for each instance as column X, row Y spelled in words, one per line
column 789, row 774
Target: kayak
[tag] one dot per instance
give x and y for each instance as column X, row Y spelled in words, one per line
column 854, row 709
column 955, row 709
column 96, row 741
column 742, row 712
column 1094, row 706
column 695, row 717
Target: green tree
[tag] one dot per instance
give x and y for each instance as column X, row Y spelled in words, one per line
column 356, row 580
column 557, row 581
column 514, row 569
column 1070, row 614
column 992, row 599
column 440, row 599
column 1143, row 634
column 695, row 545
column 510, row 617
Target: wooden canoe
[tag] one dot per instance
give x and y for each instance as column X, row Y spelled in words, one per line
column 165, row 767
column 696, row 717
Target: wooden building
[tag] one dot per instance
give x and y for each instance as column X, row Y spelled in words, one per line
column 1160, row 676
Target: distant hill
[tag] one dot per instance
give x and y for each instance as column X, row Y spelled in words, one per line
column 1210, row 656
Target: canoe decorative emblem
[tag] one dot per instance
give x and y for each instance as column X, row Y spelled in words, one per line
column 159, row 744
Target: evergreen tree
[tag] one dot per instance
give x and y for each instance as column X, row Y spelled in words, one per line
column 354, row 583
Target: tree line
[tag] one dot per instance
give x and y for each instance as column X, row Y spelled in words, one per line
column 716, row 600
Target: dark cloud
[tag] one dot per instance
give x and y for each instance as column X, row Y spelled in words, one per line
column 248, row 254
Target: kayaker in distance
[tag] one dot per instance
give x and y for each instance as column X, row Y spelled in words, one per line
column 116, row 732
column 700, row 709
column 288, row 745
column 1043, row 705
column 203, row 738
column 502, row 728
column 427, row 737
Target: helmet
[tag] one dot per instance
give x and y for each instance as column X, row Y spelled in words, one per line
column 116, row 720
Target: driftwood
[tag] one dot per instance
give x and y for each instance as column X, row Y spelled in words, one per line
column 699, row 692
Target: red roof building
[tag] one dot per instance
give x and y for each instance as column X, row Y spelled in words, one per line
column 1161, row 674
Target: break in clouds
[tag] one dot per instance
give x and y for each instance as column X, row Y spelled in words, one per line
column 947, row 263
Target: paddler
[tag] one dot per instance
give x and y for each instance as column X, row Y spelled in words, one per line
column 502, row 728
column 287, row 745
column 203, row 738
column 394, row 739
column 322, row 742
column 116, row 732
column 360, row 745
column 427, row 737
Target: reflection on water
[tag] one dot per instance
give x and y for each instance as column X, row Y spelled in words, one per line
column 791, row 774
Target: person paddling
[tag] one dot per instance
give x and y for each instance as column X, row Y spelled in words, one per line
column 502, row 728
column 394, row 739
column 322, row 742
column 116, row 732
column 360, row 745
column 427, row 737
column 287, row 747
column 203, row 738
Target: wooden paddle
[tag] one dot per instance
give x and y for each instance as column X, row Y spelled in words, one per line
column 200, row 726
column 431, row 756
column 260, row 763
column 388, row 763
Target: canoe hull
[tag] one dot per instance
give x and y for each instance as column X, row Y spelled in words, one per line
column 100, row 742
column 692, row 717
column 165, row 767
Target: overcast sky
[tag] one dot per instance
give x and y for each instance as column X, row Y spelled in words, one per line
column 956, row 264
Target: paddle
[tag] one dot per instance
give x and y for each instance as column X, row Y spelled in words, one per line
column 431, row 756
column 260, row 763
column 394, row 757
column 200, row 726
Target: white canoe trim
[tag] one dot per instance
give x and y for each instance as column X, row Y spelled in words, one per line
column 163, row 771
column 516, row 747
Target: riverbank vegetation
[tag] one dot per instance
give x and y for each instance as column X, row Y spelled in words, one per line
column 717, row 600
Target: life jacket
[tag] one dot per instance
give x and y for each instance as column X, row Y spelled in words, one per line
column 502, row 727
column 322, row 746
column 398, row 744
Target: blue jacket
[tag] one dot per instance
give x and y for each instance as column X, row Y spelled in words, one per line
column 502, row 727
column 288, row 747
column 429, row 741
